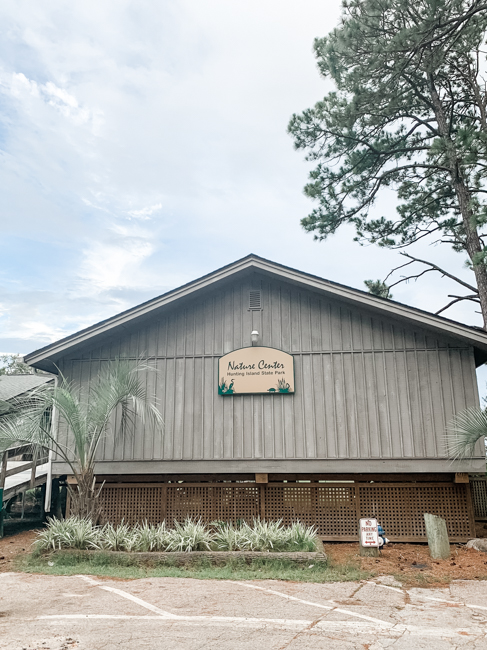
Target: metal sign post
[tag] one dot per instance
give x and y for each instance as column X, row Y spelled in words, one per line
column 369, row 537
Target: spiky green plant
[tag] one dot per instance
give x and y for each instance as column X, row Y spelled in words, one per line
column 86, row 414
column 148, row 537
column 300, row 537
column 225, row 537
column 189, row 536
column 74, row 532
column 117, row 538
column 465, row 430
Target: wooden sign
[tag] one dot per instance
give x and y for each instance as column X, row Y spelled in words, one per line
column 256, row 370
column 369, row 533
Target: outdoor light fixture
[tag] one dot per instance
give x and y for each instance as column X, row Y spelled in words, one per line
column 254, row 335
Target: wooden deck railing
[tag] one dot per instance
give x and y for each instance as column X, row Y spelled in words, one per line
column 39, row 458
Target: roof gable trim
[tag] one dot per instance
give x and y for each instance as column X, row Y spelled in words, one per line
column 391, row 308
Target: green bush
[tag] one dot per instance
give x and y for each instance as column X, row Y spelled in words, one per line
column 69, row 533
column 266, row 536
column 192, row 535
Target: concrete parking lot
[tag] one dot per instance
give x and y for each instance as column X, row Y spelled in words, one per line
column 86, row 613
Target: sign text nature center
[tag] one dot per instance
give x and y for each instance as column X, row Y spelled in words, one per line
column 256, row 370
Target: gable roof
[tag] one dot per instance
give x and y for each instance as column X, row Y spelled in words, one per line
column 14, row 385
column 45, row 357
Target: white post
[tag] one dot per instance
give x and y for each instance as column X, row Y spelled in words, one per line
column 47, row 500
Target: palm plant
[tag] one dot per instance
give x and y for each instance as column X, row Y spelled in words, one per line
column 85, row 414
column 466, row 429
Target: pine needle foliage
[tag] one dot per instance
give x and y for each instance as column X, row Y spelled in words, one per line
column 406, row 115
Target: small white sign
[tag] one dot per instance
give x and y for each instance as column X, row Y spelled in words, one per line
column 369, row 533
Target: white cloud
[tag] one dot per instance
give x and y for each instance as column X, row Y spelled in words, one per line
column 145, row 213
column 145, row 144
column 111, row 264
column 66, row 104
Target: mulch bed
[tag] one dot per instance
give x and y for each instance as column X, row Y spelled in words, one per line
column 412, row 563
column 11, row 546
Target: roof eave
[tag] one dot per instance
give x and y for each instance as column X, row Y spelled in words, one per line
column 478, row 338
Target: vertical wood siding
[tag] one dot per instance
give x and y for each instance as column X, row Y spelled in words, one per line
column 366, row 387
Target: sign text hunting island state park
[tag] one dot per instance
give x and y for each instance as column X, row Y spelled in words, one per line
column 256, row 370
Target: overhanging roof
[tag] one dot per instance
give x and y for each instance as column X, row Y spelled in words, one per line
column 15, row 385
column 477, row 337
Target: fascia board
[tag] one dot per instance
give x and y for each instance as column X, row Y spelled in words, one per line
column 120, row 320
column 394, row 309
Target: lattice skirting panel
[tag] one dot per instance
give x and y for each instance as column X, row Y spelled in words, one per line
column 334, row 509
column 479, row 496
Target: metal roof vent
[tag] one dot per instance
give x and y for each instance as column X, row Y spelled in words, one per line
column 254, row 300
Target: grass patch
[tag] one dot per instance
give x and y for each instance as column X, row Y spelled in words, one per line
column 104, row 564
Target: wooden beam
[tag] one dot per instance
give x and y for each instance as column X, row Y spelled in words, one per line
column 17, row 470
column 262, row 478
column 461, row 477
column 3, row 469
column 33, row 471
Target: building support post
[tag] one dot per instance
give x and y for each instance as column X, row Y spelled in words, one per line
column 3, row 472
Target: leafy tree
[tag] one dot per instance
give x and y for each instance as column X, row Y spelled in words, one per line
column 85, row 415
column 13, row 364
column 408, row 114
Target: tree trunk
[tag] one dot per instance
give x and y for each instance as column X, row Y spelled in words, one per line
column 85, row 500
column 473, row 245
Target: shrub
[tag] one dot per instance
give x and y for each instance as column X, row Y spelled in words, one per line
column 117, row 538
column 74, row 532
column 191, row 535
column 225, row 537
column 266, row 536
column 151, row 538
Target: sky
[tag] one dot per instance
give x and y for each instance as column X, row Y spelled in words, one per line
column 144, row 144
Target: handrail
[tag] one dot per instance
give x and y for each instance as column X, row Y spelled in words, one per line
column 25, row 466
column 32, row 465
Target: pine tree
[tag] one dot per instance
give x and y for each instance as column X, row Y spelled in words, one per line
column 409, row 114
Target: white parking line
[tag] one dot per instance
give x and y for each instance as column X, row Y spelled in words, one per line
column 161, row 612
column 365, row 624
column 376, row 621
column 421, row 596
column 125, row 594
column 232, row 620
column 327, row 626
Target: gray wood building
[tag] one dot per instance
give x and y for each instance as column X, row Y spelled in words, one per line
column 359, row 429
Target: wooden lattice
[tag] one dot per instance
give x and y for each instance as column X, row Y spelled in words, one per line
column 479, row 496
column 213, row 502
column 400, row 509
column 334, row 509
column 134, row 504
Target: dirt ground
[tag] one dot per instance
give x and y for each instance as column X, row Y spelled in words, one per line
column 12, row 546
column 408, row 561
column 411, row 562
